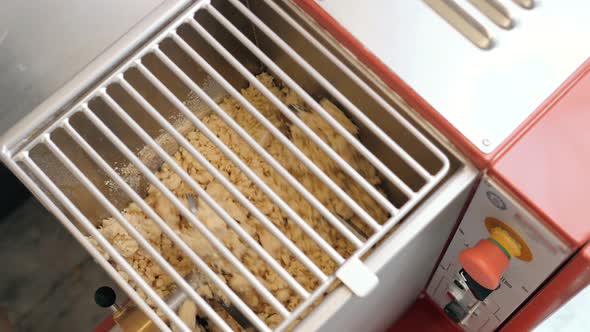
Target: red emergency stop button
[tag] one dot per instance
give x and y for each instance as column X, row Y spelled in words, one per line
column 485, row 263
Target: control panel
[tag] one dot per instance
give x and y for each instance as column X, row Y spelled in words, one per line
column 499, row 255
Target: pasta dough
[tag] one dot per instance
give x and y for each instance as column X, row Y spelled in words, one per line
column 158, row 278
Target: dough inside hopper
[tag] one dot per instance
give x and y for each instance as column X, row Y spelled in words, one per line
column 157, row 278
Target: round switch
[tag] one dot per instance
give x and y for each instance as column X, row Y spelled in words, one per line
column 489, row 258
column 485, row 262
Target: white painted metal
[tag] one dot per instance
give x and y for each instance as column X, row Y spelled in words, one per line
column 351, row 272
column 357, row 277
column 485, row 94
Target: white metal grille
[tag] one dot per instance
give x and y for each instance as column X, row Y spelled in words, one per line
column 57, row 201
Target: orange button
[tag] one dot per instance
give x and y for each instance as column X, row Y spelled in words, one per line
column 485, row 263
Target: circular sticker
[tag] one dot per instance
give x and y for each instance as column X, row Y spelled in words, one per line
column 496, row 200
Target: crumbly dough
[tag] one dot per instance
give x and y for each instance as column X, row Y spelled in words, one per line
column 163, row 284
column 187, row 313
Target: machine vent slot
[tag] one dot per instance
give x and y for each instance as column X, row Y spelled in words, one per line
column 495, row 11
column 475, row 31
column 526, row 4
column 459, row 19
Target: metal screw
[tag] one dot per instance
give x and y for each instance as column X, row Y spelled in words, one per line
column 486, row 142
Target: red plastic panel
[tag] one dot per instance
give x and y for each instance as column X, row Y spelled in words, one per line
column 424, row 315
column 106, row 325
column 574, row 277
column 548, row 164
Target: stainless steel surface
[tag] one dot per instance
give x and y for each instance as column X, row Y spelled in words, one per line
column 43, row 44
column 70, row 153
column 47, row 279
column 484, row 94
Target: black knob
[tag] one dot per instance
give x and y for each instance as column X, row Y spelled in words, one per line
column 105, row 297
